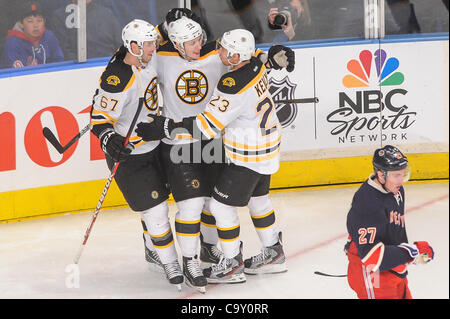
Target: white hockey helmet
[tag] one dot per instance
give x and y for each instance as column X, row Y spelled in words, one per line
column 183, row 30
column 139, row 31
column 239, row 41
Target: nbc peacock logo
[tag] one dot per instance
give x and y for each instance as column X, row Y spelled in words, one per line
column 374, row 100
column 361, row 70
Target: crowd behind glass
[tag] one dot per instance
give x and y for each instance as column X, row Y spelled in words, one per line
column 49, row 27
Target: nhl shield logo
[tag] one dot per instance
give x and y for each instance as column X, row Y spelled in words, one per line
column 284, row 90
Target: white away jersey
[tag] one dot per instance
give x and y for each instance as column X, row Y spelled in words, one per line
column 116, row 100
column 186, row 86
column 242, row 106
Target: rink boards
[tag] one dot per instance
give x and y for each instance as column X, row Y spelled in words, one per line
column 369, row 94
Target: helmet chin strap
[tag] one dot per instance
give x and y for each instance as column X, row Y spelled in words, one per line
column 139, row 56
column 229, row 57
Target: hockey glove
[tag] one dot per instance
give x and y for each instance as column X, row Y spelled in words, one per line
column 281, row 57
column 426, row 253
column 176, row 13
column 159, row 127
column 412, row 251
column 112, row 144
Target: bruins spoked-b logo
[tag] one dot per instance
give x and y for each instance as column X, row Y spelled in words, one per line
column 284, row 90
column 151, row 95
column 192, row 86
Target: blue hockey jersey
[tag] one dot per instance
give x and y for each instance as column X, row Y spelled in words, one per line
column 376, row 226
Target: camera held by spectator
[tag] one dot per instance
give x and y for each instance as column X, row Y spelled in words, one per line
column 285, row 11
column 290, row 16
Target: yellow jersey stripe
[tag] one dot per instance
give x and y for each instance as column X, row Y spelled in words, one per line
column 96, row 122
column 97, row 112
column 183, row 136
column 214, row 120
column 206, row 128
column 251, row 147
column 246, row 159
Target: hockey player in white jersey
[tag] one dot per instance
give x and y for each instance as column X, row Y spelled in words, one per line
column 139, row 174
column 242, row 107
column 187, row 71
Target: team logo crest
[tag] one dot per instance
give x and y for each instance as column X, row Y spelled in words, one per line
column 228, row 82
column 192, row 86
column 284, row 90
column 151, row 96
column 113, row 80
column 195, row 183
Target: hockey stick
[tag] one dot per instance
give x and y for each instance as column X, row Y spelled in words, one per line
column 298, row 101
column 328, row 275
column 56, row 144
column 116, row 166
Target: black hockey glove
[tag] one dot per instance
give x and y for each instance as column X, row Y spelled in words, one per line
column 281, row 57
column 177, row 13
column 159, row 127
column 112, row 144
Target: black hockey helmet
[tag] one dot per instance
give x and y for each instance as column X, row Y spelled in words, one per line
column 389, row 158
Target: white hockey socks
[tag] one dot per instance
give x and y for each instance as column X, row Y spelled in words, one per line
column 263, row 218
column 228, row 227
column 187, row 225
column 156, row 220
column 208, row 224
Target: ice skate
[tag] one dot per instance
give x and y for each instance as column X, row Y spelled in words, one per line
column 227, row 271
column 271, row 260
column 209, row 254
column 174, row 274
column 193, row 274
column 152, row 257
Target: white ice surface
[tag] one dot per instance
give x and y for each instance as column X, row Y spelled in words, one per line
column 36, row 255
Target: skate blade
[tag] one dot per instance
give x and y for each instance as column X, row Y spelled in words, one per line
column 178, row 286
column 234, row 279
column 268, row 269
column 199, row 289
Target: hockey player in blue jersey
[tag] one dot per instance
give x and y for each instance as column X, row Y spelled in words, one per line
column 378, row 250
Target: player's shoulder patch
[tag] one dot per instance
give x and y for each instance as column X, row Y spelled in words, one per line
column 235, row 81
column 116, row 77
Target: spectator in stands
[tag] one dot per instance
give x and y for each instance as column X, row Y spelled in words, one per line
column 292, row 19
column 28, row 42
column 103, row 35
